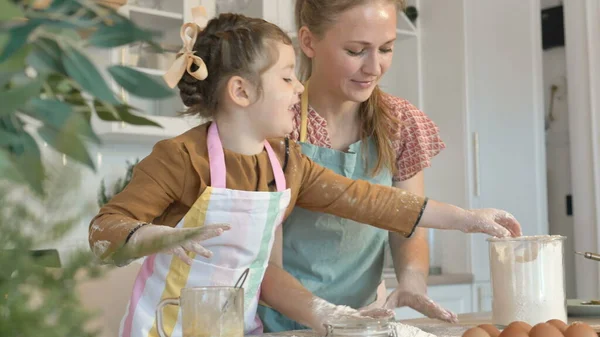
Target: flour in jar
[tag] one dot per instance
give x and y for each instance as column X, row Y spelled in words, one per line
column 527, row 279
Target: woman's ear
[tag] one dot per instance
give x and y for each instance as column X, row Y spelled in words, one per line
column 306, row 40
column 239, row 91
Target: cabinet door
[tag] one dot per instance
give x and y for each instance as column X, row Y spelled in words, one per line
column 456, row 298
column 482, row 297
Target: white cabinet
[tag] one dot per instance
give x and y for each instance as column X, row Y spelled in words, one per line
column 482, row 297
column 454, row 297
column 482, row 85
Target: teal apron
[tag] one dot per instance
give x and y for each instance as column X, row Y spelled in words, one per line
column 337, row 259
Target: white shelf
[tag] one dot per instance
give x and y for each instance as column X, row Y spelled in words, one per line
column 154, row 12
column 405, row 24
column 122, row 132
column 405, row 34
column 149, row 71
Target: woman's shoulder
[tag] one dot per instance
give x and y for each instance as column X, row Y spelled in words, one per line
column 404, row 110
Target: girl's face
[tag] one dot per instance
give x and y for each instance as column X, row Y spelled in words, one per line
column 281, row 90
column 355, row 52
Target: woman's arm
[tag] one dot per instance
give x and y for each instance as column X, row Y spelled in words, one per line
column 411, row 254
column 284, row 293
column 411, row 264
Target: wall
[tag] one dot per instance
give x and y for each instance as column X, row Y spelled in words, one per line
column 558, row 158
column 582, row 26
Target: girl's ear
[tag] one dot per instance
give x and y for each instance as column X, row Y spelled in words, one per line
column 239, row 91
column 306, row 40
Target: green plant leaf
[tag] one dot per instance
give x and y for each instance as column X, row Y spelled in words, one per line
column 120, row 33
column 8, row 10
column 17, row 97
column 60, row 117
column 121, row 113
column 106, row 112
column 124, row 112
column 81, row 69
column 28, row 161
column 18, row 37
column 15, row 63
column 67, row 143
column 8, row 138
column 46, row 56
column 139, row 83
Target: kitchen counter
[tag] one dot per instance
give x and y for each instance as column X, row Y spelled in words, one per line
column 467, row 321
column 442, row 329
column 433, row 280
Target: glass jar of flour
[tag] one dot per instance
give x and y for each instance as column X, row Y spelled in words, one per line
column 363, row 327
column 528, row 280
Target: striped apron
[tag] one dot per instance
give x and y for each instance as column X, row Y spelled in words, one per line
column 253, row 216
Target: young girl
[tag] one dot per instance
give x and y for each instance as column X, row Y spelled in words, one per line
column 240, row 71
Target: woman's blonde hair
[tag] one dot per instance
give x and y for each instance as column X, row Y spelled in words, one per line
column 377, row 119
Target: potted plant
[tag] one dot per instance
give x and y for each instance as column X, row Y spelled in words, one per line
column 49, row 91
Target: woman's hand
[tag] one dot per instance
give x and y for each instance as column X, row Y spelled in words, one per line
column 490, row 221
column 412, row 292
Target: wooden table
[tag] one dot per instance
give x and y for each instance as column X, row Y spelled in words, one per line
column 467, row 321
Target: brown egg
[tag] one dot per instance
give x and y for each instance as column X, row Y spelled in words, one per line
column 490, row 329
column 545, row 330
column 513, row 331
column 560, row 325
column 579, row 329
column 520, row 325
column 475, row 332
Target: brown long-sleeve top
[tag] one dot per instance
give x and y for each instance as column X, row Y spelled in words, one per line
column 167, row 182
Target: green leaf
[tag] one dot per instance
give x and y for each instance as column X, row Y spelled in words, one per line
column 106, row 112
column 46, row 56
column 120, row 33
column 28, row 161
column 139, row 83
column 124, row 112
column 17, row 97
column 8, row 168
column 15, row 63
column 60, row 117
column 8, row 138
column 121, row 113
column 18, row 37
column 67, row 143
column 81, row 69
column 8, row 10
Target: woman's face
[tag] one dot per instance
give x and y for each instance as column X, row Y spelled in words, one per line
column 355, row 52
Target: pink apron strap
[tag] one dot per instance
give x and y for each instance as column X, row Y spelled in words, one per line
column 277, row 171
column 216, row 159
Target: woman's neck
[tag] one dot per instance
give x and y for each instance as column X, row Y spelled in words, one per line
column 336, row 111
column 237, row 135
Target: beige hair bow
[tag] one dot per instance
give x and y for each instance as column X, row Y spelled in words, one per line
column 186, row 57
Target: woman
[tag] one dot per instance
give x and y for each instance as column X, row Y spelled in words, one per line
column 346, row 123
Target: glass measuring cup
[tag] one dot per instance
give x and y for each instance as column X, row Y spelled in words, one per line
column 528, row 281
column 202, row 313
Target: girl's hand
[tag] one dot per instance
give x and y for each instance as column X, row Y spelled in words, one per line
column 492, row 221
column 151, row 239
